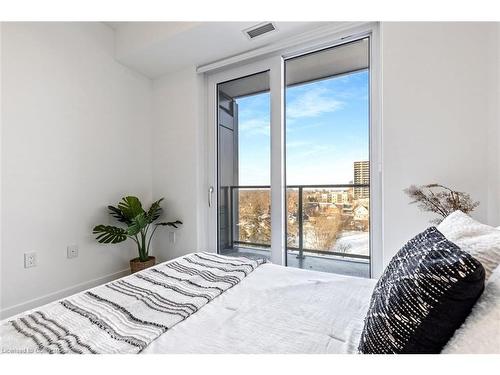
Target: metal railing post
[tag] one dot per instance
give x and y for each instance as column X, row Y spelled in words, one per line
column 229, row 199
column 301, row 228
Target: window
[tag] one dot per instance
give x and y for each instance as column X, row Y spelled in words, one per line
column 296, row 143
column 327, row 159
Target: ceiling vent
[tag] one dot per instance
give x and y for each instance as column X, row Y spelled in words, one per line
column 259, row 30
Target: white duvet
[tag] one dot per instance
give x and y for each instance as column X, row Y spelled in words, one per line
column 276, row 310
column 287, row 310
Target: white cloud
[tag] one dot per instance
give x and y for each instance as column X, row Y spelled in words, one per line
column 308, row 151
column 312, row 103
column 320, row 172
column 254, row 174
column 296, row 144
column 255, row 126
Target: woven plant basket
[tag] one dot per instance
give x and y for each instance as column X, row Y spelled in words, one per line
column 136, row 265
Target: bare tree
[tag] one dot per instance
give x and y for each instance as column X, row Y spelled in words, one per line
column 255, row 217
column 292, row 218
column 323, row 232
column 343, row 247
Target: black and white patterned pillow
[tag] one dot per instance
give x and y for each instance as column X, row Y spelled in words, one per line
column 424, row 295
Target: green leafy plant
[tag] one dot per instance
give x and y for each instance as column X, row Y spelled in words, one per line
column 140, row 224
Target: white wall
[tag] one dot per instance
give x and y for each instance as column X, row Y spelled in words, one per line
column 179, row 159
column 440, row 91
column 494, row 135
column 79, row 131
column 76, row 136
column 496, row 127
column 439, row 125
column 1, row 161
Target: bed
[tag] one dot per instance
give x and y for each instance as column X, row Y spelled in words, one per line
column 274, row 309
column 268, row 309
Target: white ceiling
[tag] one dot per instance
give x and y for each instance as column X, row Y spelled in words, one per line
column 158, row 48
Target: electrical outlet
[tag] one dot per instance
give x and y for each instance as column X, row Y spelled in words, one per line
column 72, row 251
column 30, row 260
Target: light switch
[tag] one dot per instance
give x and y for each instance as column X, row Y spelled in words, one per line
column 72, row 251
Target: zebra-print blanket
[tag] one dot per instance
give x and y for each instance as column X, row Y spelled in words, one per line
column 126, row 315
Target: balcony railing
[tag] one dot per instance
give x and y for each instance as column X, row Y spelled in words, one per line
column 233, row 210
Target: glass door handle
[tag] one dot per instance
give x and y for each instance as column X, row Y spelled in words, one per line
column 210, row 193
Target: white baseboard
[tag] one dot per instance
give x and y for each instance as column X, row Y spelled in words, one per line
column 36, row 302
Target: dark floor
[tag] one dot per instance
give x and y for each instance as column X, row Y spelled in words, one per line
column 332, row 264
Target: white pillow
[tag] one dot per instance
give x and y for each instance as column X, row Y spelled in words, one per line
column 480, row 333
column 479, row 240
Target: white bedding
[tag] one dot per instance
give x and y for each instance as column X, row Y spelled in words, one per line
column 287, row 310
column 276, row 310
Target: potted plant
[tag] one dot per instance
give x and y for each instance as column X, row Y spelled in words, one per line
column 140, row 228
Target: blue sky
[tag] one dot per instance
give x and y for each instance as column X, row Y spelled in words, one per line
column 327, row 129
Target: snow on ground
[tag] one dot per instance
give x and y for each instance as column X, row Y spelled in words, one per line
column 354, row 242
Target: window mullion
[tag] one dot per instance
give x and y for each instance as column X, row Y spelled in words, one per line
column 278, row 228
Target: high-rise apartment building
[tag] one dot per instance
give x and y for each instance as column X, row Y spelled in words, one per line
column 362, row 176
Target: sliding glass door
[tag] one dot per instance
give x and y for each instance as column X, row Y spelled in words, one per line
column 244, row 166
column 328, row 159
column 292, row 154
column 246, row 158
